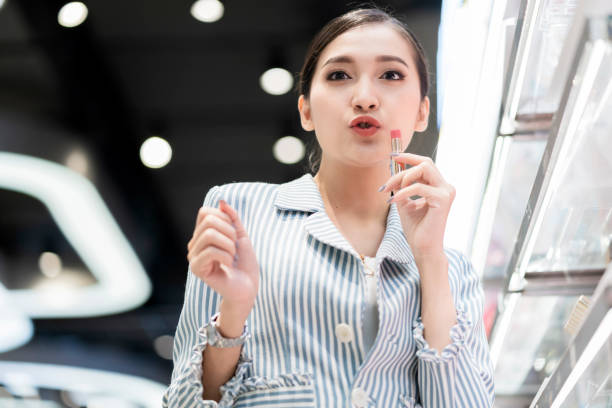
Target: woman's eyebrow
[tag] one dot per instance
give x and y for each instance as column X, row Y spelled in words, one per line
column 387, row 58
column 380, row 58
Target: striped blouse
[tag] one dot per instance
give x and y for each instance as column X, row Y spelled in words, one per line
column 307, row 346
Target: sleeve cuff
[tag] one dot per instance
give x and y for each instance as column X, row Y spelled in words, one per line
column 458, row 334
column 230, row 389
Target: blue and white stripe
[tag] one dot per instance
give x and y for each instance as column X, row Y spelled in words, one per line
column 311, row 280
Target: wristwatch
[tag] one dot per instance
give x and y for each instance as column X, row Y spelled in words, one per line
column 215, row 339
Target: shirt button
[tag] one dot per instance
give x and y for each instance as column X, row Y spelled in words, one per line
column 359, row 397
column 344, row 333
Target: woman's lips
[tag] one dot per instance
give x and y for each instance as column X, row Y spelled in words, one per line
column 365, row 119
column 365, row 125
column 365, row 131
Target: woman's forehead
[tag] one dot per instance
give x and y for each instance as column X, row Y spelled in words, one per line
column 369, row 40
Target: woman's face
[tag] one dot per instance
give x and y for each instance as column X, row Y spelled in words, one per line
column 369, row 73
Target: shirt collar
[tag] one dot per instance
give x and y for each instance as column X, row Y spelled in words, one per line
column 303, row 194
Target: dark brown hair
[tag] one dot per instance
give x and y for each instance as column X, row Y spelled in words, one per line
column 340, row 25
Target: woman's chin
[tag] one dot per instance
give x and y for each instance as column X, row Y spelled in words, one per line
column 369, row 162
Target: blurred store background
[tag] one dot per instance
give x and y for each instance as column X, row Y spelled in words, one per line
column 117, row 117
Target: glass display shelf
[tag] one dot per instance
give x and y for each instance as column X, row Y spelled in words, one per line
column 562, row 248
column 552, row 23
column 582, row 377
column 575, row 231
column 594, row 389
column 521, row 160
column 530, row 95
column 567, row 224
column 531, row 351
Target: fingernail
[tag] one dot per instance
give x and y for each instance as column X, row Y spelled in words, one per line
column 394, row 154
column 381, row 188
column 390, row 199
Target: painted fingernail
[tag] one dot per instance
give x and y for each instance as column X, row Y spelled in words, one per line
column 390, row 199
column 381, row 188
column 394, row 154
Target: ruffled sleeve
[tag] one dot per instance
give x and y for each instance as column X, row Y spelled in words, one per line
column 457, row 334
column 462, row 374
column 190, row 340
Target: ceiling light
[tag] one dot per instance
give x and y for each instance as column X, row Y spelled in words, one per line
column 207, row 11
column 72, row 14
column 163, row 346
column 78, row 209
column 155, row 152
column 77, row 161
column 50, row 264
column 20, row 385
column 126, row 390
column 276, row 81
column 17, row 328
column 289, row 150
column 77, row 398
column 105, row 401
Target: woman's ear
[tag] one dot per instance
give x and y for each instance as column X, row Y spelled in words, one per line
column 305, row 116
column 423, row 116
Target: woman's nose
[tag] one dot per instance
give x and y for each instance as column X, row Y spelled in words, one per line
column 364, row 96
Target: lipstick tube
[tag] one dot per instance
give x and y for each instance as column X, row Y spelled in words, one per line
column 396, row 147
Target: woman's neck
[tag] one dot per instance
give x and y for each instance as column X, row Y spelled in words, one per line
column 352, row 192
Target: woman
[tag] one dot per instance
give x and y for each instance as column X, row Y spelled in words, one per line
column 328, row 290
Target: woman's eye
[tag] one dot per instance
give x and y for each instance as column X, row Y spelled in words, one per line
column 337, row 75
column 393, row 75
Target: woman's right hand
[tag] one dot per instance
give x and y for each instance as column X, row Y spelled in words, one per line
column 220, row 253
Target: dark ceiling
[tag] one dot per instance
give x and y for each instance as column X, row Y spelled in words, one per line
column 133, row 69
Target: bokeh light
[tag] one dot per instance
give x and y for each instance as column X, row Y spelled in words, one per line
column 72, row 14
column 289, row 150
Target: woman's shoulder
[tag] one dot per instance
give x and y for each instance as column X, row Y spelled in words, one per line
column 236, row 192
column 240, row 193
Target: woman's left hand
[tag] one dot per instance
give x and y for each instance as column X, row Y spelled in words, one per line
column 423, row 219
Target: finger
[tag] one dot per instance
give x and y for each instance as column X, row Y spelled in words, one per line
column 414, row 205
column 235, row 219
column 424, row 169
column 410, row 158
column 214, row 222
column 203, row 264
column 212, row 237
column 433, row 195
column 405, row 178
column 221, row 281
column 205, row 211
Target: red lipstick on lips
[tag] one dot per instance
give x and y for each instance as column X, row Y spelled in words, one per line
column 365, row 125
